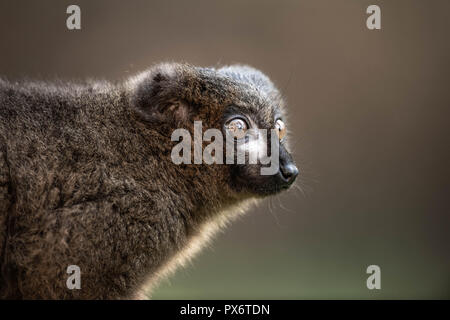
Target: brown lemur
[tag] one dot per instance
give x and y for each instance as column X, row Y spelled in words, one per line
column 87, row 179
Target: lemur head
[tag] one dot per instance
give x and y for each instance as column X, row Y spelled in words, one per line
column 237, row 100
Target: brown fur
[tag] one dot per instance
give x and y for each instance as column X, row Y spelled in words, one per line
column 86, row 177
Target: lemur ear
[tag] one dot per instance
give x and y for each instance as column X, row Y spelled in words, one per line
column 156, row 94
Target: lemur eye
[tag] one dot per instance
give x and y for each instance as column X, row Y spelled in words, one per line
column 237, row 128
column 281, row 129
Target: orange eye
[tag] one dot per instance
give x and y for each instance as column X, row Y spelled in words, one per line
column 237, row 128
column 281, row 129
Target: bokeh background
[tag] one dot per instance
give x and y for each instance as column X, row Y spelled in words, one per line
column 368, row 118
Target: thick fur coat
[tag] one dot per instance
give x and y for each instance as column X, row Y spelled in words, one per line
column 86, row 177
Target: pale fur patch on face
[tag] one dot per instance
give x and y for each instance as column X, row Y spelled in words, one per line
column 255, row 147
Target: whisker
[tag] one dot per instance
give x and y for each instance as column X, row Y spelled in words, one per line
column 277, row 221
column 283, row 207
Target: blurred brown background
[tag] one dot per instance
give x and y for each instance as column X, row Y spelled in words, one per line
column 369, row 123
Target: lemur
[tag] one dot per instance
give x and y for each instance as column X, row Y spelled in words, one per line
column 86, row 176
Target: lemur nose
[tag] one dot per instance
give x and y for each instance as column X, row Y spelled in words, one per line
column 289, row 171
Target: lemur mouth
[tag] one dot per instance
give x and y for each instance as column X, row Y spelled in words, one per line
column 271, row 185
column 285, row 178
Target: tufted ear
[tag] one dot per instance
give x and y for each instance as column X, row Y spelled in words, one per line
column 156, row 94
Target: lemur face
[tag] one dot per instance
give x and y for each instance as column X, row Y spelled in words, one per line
column 239, row 101
column 259, row 106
